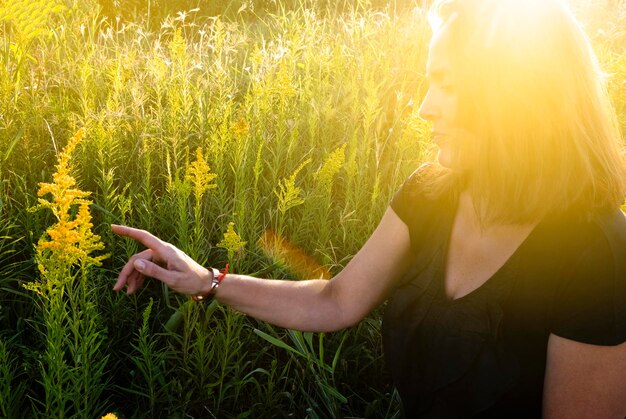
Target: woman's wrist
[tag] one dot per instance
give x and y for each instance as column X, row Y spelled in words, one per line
column 209, row 285
column 214, row 279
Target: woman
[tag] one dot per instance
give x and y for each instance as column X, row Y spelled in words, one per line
column 505, row 259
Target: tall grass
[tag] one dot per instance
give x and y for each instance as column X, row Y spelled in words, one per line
column 213, row 133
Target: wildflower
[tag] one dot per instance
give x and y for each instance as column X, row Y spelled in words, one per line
column 331, row 167
column 64, row 196
column 200, row 176
column 241, row 126
column 351, row 167
column 256, row 57
column 284, row 84
column 177, row 46
column 30, row 19
column 70, row 240
column 231, row 242
column 288, row 193
column 109, row 416
column 64, row 254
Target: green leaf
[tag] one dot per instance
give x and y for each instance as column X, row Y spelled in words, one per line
column 17, row 137
column 276, row 342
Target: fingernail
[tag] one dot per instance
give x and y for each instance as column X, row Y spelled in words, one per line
column 140, row 265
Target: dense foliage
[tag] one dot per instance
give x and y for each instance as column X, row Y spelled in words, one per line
column 271, row 138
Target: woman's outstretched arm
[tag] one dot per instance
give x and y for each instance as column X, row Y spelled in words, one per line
column 310, row 305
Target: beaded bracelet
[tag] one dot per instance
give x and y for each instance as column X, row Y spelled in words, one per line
column 218, row 277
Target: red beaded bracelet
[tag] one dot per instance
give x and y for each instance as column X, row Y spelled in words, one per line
column 218, row 277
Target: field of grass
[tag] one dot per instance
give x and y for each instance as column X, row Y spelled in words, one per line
column 243, row 139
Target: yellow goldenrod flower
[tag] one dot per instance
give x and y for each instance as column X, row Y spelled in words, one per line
column 284, row 83
column 231, row 242
column 241, row 126
column 64, row 196
column 288, row 193
column 256, row 56
column 177, row 46
column 109, row 416
column 331, row 167
column 70, row 240
column 30, row 19
column 200, row 176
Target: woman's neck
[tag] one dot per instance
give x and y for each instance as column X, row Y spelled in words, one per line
column 468, row 214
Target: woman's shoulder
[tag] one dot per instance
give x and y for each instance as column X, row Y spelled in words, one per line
column 602, row 235
column 413, row 202
column 612, row 226
column 602, row 231
column 417, row 193
column 590, row 301
column 610, row 245
column 426, row 212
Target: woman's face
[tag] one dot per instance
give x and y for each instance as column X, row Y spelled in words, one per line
column 440, row 107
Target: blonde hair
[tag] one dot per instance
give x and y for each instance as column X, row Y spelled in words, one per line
column 532, row 94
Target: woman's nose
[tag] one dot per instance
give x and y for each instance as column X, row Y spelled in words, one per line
column 428, row 109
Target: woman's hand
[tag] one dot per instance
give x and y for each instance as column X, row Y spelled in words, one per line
column 161, row 261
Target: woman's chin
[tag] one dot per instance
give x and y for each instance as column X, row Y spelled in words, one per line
column 450, row 160
column 444, row 157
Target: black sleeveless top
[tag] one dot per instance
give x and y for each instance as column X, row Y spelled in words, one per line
column 484, row 355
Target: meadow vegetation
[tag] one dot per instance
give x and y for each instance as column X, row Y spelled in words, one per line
column 270, row 141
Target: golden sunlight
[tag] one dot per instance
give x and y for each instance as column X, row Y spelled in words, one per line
column 295, row 259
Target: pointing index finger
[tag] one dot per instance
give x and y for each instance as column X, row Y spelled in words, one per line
column 142, row 236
